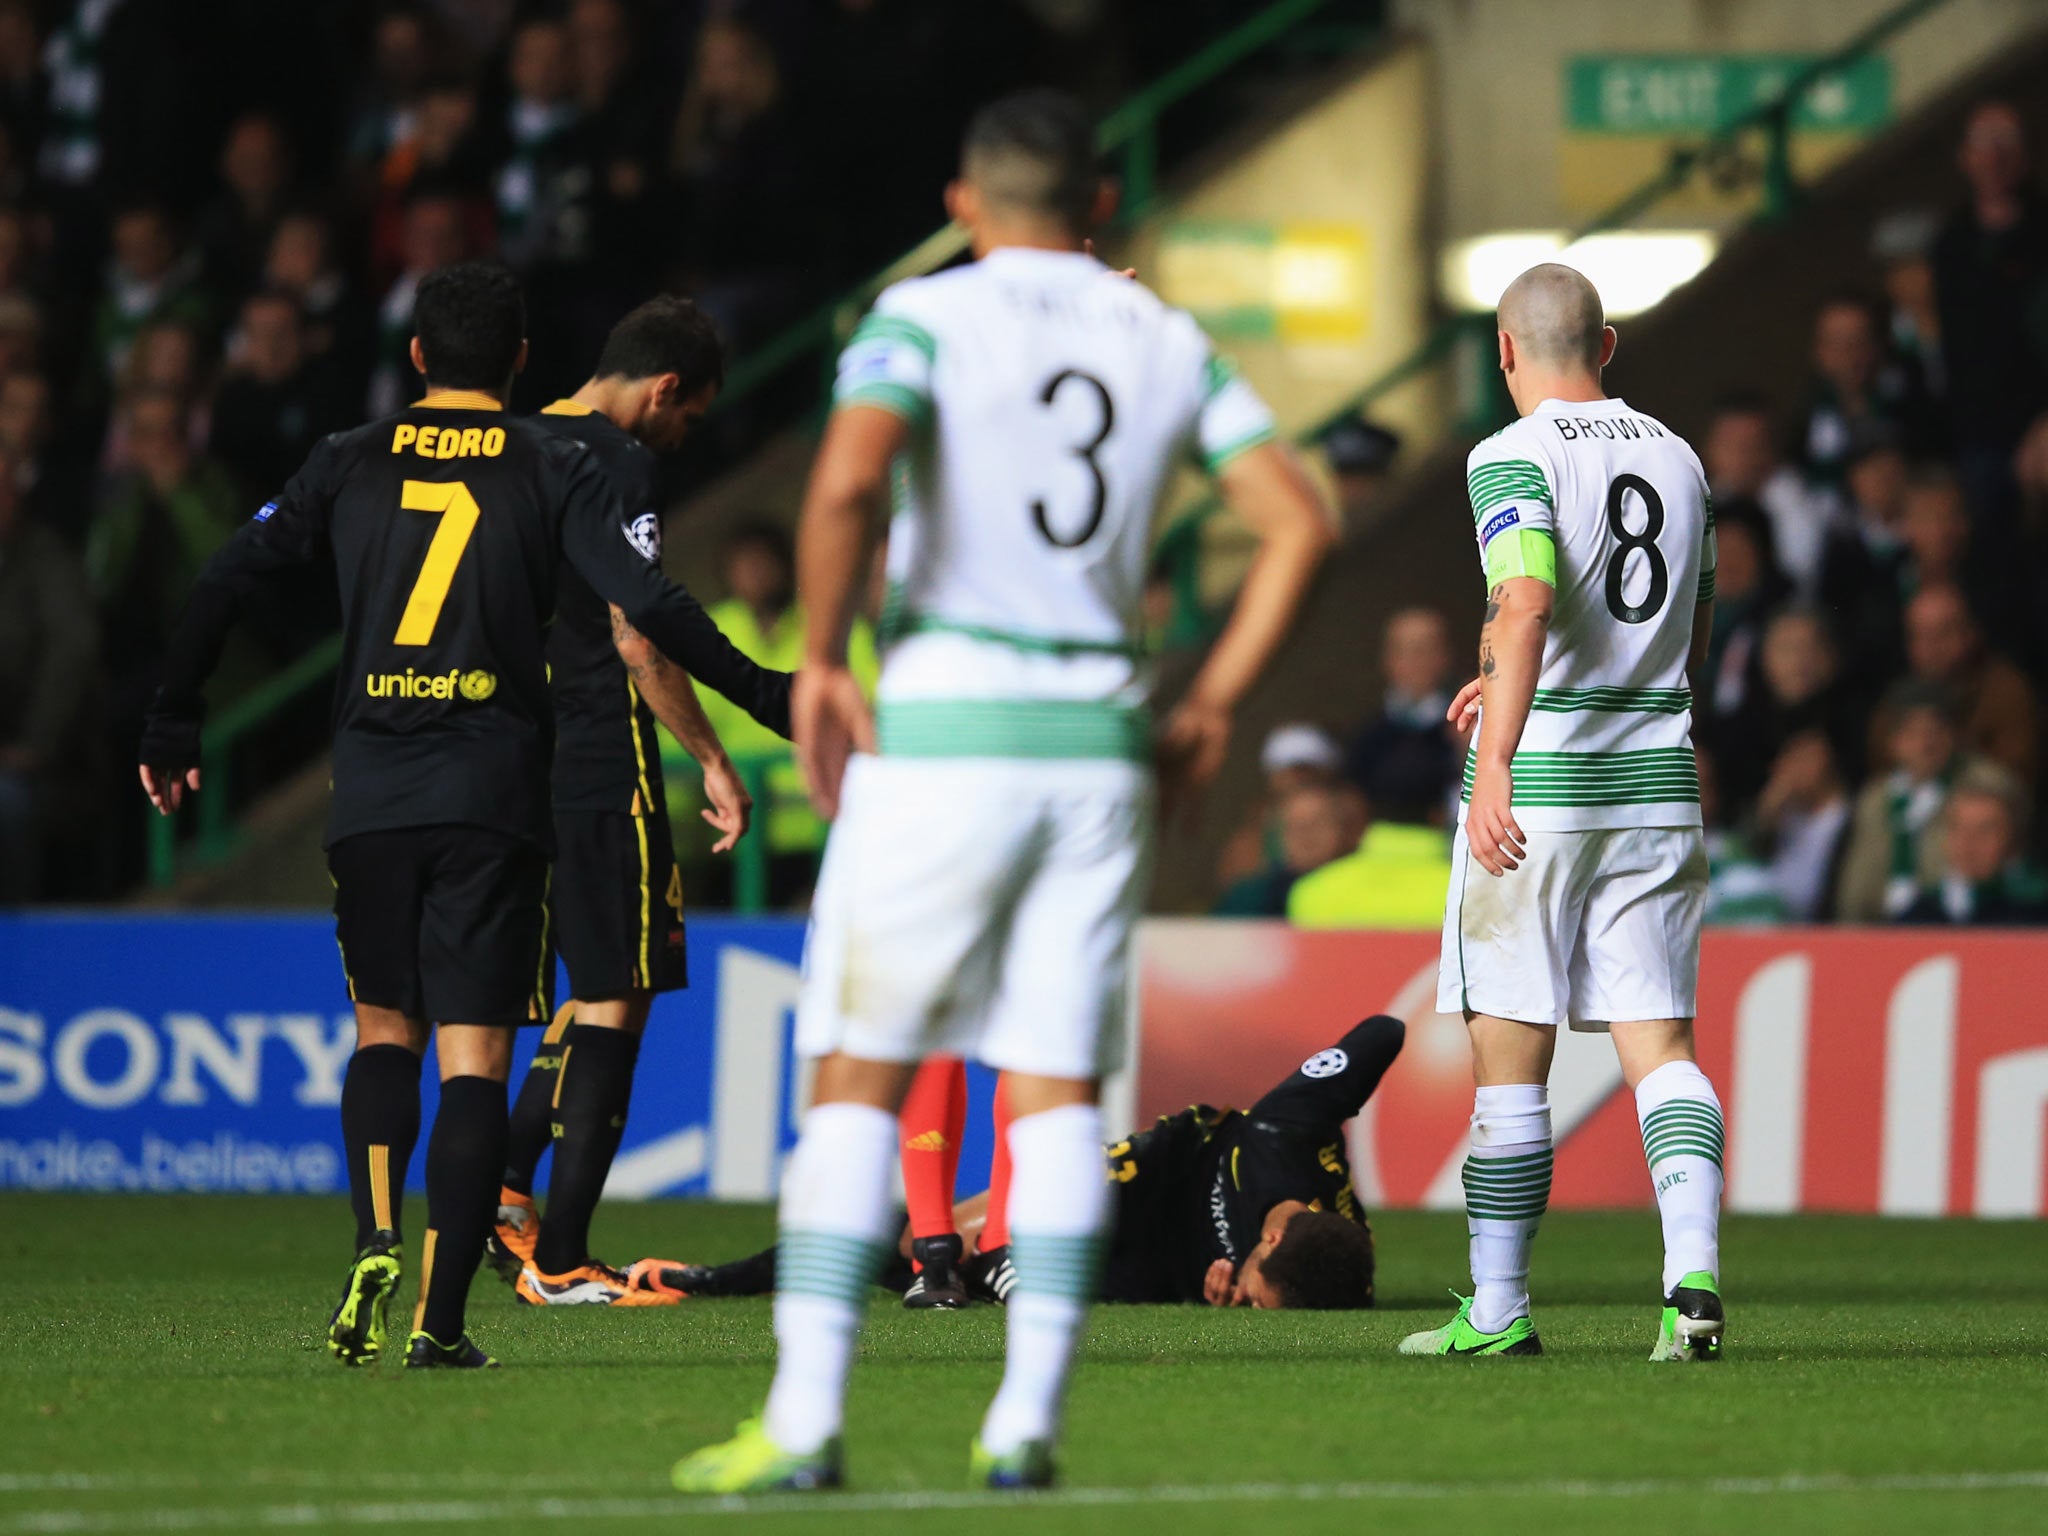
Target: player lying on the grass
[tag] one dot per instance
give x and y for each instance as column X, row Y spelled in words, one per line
column 1248, row 1208
column 616, row 904
column 446, row 528
column 995, row 811
column 1597, row 537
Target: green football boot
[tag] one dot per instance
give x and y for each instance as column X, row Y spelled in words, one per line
column 1459, row 1337
column 752, row 1463
column 1693, row 1320
column 355, row 1333
column 1028, row 1466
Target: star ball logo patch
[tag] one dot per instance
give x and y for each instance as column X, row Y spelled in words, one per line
column 644, row 534
column 1325, row 1063
column 1500, row 522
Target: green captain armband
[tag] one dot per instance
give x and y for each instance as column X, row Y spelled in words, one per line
column 1529, row 552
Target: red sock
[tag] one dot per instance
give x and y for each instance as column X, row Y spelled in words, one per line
column 934, row 1114
column 995, row 1231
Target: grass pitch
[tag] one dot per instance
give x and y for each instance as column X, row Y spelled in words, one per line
column 161, row 1370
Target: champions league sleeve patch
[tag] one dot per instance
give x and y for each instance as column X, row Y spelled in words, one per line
column 1500, row 522
column 1325, row 1063
column 644, row 534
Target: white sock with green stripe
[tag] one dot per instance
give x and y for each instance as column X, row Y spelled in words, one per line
column 1682, row 1140
column 836, row 1223
column 1507, row 1189
column 1059, row 1212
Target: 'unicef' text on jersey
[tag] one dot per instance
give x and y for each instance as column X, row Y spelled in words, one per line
column 1624, row 501
column 1049, row 401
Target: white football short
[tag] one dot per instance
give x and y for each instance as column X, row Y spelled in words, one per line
column 979, row 907
column 1593, row 927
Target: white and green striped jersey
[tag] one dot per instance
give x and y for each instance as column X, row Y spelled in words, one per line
column 1610, row 506
column 1049, row 401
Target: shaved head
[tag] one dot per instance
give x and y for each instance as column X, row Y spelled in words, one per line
column 1034, row 153
column 1554, row 317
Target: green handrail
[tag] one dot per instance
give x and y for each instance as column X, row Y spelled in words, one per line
column 1132, row 128
column 1179, row 544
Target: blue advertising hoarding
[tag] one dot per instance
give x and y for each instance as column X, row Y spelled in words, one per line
column 206, row 1053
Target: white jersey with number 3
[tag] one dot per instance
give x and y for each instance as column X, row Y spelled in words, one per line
column 1049, row 401
column 1611, row 507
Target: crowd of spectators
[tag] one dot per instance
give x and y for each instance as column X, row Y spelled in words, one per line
column 213, row 217
column 1869, row 723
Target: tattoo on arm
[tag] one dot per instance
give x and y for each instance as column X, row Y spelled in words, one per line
column 1486, row 662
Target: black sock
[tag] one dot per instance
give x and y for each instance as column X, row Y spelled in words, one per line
column 464, row 1155
column 590, row 1117
column 380, row 1122
column 533, row 1117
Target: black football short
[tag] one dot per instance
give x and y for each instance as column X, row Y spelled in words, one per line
column 617, row 905
column 446, row 924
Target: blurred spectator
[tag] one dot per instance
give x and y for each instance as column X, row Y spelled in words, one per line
column 745, row 198
column 435, row 236
column 234, row 231
column 165, row 359
column 1741, row 459
column 1315, row 823
column 52, row 487
column 1397, row 879
column 1292, row 757
column 1801, row 815
column 622, row 125
column 152, row 279
column 401, row 56
column 1986, row 882
column 1902, row 245
column 15, row 258
column 1894, row 849
column 1404, row 758
column 1801, row 691
column 48, row 655
column 1866, row 566
column 273, row 404
column 1740, row 886
column 1996, row 711
column 447, row 157
column 1854, row 384
column 21, row 69
column 21, row 333
column 154, row 528
column 337, row 327
column 1361, row 455
column 1990, row 264
column 1747, row 589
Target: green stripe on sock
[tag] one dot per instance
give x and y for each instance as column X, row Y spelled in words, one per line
column 1508, row 1188
column 828, row 1264
column 1065, row 1267
column 1684, row 1128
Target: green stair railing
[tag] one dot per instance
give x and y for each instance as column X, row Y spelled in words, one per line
column 1130, row 136
column 1179, row 547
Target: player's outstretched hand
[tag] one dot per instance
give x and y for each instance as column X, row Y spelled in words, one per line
column 1490, row 827
column 1464, row 711
column 829, row 722
column 1191, row 751
column 166, row 787
column 732, row 808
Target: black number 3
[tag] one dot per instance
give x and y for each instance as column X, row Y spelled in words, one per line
column 1646, row 541
column 1086, row 453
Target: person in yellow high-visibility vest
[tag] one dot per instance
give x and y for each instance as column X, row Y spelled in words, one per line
column 763, row 620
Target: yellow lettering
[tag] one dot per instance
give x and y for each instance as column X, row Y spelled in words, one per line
column 444, row 687
column 406, row 433
column 494, row 441
column 451, row 444
column 472, row 441
column 426, row 442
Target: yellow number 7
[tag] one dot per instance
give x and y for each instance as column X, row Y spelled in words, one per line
column 459, row 513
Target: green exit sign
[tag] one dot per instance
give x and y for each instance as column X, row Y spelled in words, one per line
column 1679, row 93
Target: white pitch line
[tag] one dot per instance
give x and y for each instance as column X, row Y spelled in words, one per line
column 66, row 1522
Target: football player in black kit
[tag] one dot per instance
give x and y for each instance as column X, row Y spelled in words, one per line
column 448, row 527
column 617, row 901
column 1247, row 1208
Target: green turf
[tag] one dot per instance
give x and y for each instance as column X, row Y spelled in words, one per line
column 162, row 1357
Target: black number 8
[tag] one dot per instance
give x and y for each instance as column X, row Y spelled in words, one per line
column 1646, row 541
column 1086, row 453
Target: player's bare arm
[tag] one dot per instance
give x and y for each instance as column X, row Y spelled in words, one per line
column 829, row 718
column 1269, row 489
column 666, row 688
column 1510, row 661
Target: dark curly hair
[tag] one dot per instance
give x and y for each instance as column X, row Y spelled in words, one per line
column 471, row 322
column 1323, row 1262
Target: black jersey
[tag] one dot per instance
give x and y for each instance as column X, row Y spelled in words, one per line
column 1198, row 1185
column 449, row 526
column 607, row 757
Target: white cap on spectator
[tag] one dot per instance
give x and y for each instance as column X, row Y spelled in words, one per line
column 1299, row 746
